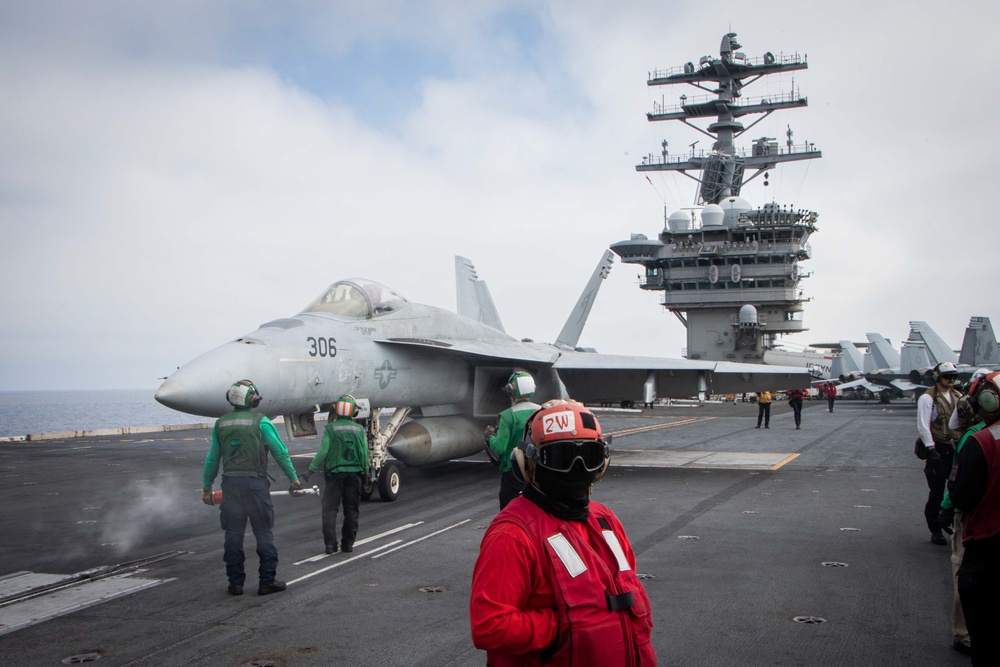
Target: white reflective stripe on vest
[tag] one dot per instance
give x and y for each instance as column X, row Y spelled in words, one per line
column 616, row 547
column 567, row 554
column 238, row 422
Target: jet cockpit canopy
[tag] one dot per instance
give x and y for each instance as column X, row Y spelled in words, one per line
column 357, row 298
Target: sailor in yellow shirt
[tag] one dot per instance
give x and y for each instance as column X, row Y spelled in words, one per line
column 764, row 408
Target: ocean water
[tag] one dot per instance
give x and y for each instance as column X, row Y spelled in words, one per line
column 26, row 412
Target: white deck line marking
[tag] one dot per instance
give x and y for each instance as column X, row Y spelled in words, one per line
column 343, row 562
column 421, row 539
column 393, row 531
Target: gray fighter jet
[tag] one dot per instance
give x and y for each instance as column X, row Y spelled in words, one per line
column 443, row 373
column 881, row 371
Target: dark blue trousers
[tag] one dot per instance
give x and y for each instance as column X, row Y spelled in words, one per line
column 248, row 498
column 937, row 473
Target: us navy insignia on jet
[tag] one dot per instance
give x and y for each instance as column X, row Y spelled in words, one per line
column 385, row 374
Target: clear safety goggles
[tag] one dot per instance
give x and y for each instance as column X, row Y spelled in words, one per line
column 560, row 456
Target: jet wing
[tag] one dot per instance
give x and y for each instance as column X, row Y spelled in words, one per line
column 593, row 377
column 512, row 351
column 906, row 385
column 854, row 384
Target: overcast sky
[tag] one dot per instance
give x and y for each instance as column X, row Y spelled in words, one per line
column 174, row 174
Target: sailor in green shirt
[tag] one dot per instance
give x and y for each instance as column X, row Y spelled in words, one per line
column 344, row 458
column 502, row 440
column 241, row 441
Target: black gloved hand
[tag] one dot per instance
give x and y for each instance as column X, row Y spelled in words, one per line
column 932, row 454
column 295, row 486
column 946, row 519
column 305, row 476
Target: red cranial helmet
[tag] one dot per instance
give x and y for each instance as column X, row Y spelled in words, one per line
column 559, row 436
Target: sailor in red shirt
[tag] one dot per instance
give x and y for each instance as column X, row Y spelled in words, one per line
column 555, row 581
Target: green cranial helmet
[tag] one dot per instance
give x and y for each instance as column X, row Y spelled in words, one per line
column 243, row 394
column 346, row 406
column 520, row 385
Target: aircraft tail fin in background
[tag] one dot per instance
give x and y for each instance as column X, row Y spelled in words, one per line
column 853, row 358
column 979, row 347
column 474, row 300
column 883, row 354
column 914, row 357
column 571, row 331
column 936, row 347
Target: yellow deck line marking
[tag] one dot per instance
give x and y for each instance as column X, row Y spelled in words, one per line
column 656, row 427
column 790, row 457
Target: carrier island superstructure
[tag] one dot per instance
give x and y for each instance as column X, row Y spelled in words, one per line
column 732, row 274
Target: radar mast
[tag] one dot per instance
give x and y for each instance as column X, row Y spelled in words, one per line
column 731, row 277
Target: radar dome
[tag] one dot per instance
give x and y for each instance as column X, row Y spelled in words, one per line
column 711, row 216
column 733, row 207
column 748, row 315
column 679, row 221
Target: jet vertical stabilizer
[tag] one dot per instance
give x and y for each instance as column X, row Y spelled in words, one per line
column 936, row 347
column 883, row 354
column 914, row 357
column 852, row 358
column 979, row 347
column 474, row 300
column 571, row 331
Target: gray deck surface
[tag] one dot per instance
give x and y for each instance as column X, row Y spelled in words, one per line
column 768, row 508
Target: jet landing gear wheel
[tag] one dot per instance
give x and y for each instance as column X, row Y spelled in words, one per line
column 367, row 488
column 388, row 482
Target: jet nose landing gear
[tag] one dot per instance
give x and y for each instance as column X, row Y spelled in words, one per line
column 384, row 472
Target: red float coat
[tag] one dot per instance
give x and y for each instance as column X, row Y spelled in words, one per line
column 984, row 521
column 526, row 602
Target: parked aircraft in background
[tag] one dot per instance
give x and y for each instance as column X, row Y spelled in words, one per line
column 979, row 350
column 889, row 374
column 445, row 371
column 882, row 375
column 881, row 353
column 847, row 358
column 820, row 364
column 979, row 346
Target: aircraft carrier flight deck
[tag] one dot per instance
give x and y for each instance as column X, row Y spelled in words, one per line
column 757, row 547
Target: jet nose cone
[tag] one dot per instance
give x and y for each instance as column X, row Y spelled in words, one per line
column 199, row 387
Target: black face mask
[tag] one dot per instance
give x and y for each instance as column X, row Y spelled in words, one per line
column 562, row 494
